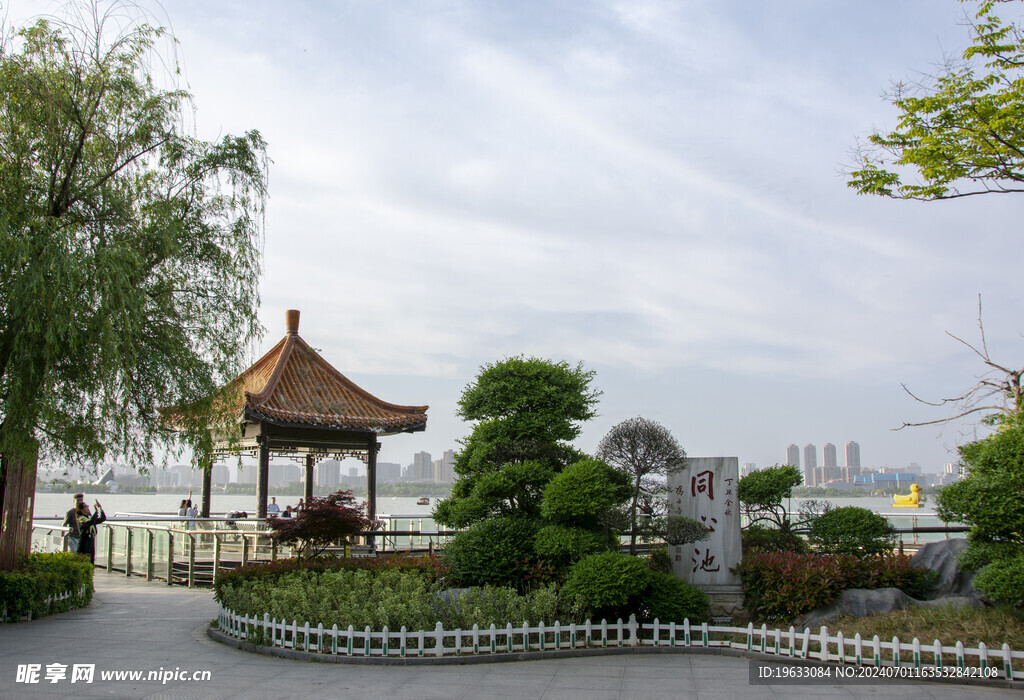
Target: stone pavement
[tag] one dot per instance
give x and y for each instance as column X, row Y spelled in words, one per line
column 132, row 625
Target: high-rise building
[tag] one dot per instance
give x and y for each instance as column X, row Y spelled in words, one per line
column 422, row 467
column 328, row 473
column 828, row 455
column 220, row 474
column 810, row 465
column 852, row 454
column 793, row 455
column 389, row 471
column 443, row 473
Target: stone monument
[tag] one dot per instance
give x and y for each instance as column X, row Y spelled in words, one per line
column 706, row 492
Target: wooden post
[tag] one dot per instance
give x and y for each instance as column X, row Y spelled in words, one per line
column 371, row 484
column 309, row 478
column 263, row 478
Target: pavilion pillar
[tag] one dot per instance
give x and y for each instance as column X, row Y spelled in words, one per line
column 207, row 467
column 309, row 478
column 371, row 477
column 262, row 478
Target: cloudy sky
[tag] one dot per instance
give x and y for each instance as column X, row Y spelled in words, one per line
column 651, row 188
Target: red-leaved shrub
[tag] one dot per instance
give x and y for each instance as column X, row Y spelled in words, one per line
column 783, row 585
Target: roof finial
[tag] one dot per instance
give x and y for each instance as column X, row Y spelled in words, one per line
column 291, row 321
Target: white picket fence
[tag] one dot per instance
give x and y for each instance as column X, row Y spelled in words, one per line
column 440, row 642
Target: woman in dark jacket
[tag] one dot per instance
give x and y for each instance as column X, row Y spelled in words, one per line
column 87, row 523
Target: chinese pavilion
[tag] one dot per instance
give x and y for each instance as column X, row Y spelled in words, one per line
column 293, row 403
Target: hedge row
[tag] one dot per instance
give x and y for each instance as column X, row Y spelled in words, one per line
column 33, row 588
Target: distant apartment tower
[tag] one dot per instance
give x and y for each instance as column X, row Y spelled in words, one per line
column 220, row 474
column 793, row 456
column 852, row 454
column 443, row 473
column 829, row 470
column 389, row 471
column 328, row 473
column 852, row 469
column 810, row 465
column 422, row 467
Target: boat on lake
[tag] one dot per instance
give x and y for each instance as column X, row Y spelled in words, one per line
column 423, row 501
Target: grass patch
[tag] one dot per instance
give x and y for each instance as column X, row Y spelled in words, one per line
column 994, row 626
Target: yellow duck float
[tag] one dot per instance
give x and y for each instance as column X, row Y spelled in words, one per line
column 911, row 500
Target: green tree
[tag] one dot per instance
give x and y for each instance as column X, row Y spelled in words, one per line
column 646, row 452
column 762, row 493
column 527, row 409
column 990, row 500
column 129, row 252
column 962, row 131
column 526, row 412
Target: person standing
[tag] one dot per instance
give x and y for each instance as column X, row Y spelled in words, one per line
column 191, row 512
column 71, row 523
column 298, row 508
column 87, row 523
column 272, row 508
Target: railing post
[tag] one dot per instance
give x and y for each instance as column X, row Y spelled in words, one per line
column 216, row 554
column 110, row 548
column 128, row 551
column 149, row 554
column 245, row 549
column 170, row 557
column 191, row 561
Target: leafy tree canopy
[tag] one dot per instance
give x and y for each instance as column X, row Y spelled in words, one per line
column 129, row 249
column 527, row 409
column 644, row 451
column 990, row 499
column 762, row 492
column 961, row 132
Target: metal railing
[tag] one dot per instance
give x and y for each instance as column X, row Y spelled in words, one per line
column 192, row 552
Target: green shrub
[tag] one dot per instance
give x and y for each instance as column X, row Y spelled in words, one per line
column 25, row 590
column 670, row 599
column 1003, row 580
column 491, row 551
column 561, row 546
column 659, row 560
column 432, row 567
column 583, row 493
column 392, row 597
column 770, row 539
column 461, row 609
column 852, row 530
column 607, row 585
column 783, row 585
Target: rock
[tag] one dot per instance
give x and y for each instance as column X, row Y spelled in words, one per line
column 858, row 602
column 942, row 558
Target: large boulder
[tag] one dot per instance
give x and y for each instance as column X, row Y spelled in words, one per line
column 942, row 558
column 862, row 602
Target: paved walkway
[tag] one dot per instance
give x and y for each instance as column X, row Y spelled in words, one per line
column 132, row 625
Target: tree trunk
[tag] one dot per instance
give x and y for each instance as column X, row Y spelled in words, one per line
column 204, row 509
column 17, row 497
column 632, row 516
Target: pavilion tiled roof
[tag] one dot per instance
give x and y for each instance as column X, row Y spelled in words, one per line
column 292, row 384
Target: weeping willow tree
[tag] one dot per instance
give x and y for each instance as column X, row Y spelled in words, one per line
column 129, row 251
